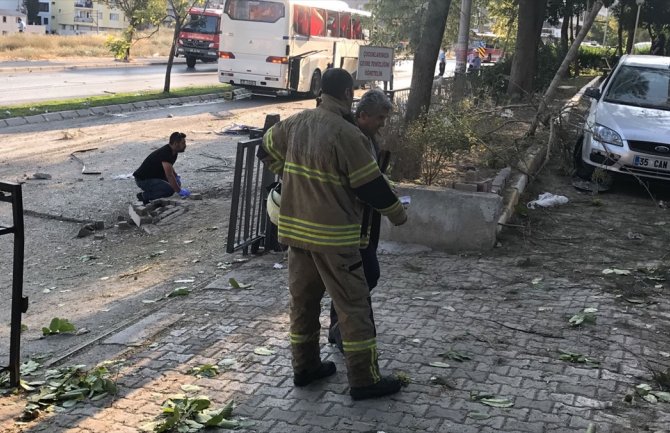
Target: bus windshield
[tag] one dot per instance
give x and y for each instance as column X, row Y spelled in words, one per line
column 199, row 23
column 254, row 10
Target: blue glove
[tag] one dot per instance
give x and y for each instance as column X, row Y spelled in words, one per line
column 184, row 192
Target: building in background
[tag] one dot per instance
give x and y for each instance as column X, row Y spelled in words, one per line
column 76, row 17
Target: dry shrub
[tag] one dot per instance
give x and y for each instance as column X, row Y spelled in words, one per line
column 29, row 46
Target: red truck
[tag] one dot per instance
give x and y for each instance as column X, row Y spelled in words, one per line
column 199, row 36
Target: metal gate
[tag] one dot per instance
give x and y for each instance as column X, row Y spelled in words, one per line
column 11, row 193
column 248, row 225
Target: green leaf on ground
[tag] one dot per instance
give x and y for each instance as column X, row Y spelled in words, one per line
column 59, row 326
column 578, row 358
column 206, row 370
column 179, row 291
column 263, row 351
column 235, row 285
column 585, row 316
column 455, row 355
column 497, row 402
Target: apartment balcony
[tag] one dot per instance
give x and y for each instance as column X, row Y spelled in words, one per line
column 84, row 4
column 83, row 20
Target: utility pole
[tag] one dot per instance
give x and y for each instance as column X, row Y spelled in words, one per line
column 462, row 49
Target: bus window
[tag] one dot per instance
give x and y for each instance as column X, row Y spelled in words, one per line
column 301, row 20
column 258, row 11
column 333, row 24
column 357, row 29
column 345, row 26
column 318, row 22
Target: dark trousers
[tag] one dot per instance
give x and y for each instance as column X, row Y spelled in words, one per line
column 442, row 66
column 154, row 188
column 372, row 273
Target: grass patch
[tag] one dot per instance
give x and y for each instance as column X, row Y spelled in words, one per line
column 103, row 100
column 30, row 46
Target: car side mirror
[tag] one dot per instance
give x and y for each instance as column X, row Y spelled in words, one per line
column 592, row 92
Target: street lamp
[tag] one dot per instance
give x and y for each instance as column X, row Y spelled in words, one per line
column 637, row 19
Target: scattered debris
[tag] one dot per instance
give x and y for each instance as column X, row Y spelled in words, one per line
column 439, row 364
column 84, row 170
column 189, row 415
column 547, row 199
column 404, row 378
column 41, row 176
column 616, row 271
column 278, row 266
column 86, row 230
column 66, row 386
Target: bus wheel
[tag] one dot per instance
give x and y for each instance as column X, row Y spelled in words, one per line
column 315, row 85
column 190, row 61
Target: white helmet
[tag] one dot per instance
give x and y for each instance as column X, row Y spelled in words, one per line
column 273, row 203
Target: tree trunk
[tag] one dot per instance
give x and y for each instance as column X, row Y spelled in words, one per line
column 408, row 161
column 619, row 33
column 173, row 50
column 563, row 69
column 525, row 55
column 565, row 25
column 424, row 59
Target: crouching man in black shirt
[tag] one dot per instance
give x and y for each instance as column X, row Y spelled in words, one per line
column 156, row 176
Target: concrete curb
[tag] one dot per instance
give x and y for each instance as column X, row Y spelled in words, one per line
column 93, row 65
column 532, row 161
column 107, row 109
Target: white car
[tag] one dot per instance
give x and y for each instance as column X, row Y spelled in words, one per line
column 628, row 125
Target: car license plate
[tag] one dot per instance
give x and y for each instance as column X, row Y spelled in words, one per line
column 659, row 164
column 248, row 82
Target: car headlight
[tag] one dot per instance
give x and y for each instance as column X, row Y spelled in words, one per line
column 606, row 135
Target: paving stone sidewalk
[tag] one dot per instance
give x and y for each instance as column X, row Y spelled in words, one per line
column 494, row 310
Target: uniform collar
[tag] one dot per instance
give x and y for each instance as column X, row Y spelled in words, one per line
column 335, row 105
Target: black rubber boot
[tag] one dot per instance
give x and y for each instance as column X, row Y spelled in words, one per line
column 386, row 386
column 304, row 378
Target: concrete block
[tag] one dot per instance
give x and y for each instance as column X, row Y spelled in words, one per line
column 3, row 123
column 469, row 187
column 99, row 110
column 134, row 216
column 114, row 108
column 123, row 225
column 86, row 230
column 52, row 117
column 69, row 114
column 484, row 185
column 34, row 119
column 471, row 176
column 499, row 182
column 447, row 219
column 99, row 225
column 84, row 112
column 196, row 196
column 16, row 121
column 140, row 105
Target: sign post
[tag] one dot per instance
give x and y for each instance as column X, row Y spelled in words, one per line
column 375, row 64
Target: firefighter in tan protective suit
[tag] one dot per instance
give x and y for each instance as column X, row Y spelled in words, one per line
column 328, row 175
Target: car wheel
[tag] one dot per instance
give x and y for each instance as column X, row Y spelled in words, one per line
column 190, row 61
column 315, row 85
column 582, row 169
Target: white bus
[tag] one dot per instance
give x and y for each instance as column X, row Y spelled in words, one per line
column 283, row 46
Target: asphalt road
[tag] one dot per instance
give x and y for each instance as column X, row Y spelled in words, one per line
column 26, row 87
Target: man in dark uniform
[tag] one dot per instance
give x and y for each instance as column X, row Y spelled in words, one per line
column 372, row 112
column 156, row 176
